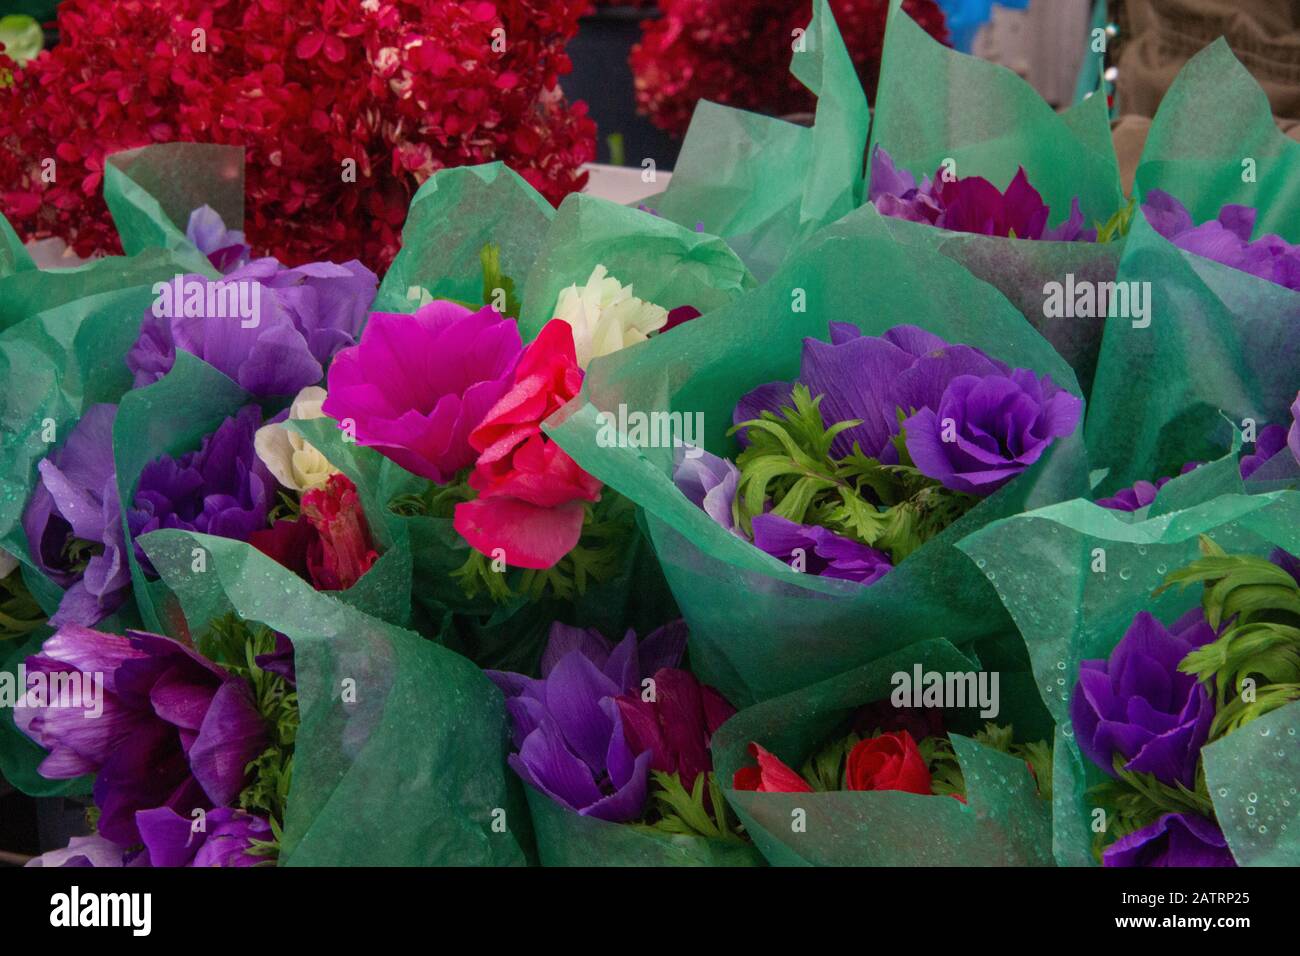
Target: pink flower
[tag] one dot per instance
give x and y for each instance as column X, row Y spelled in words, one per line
column 417, row 385
column 531, row 493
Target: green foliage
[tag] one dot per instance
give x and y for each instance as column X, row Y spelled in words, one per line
column 703, row 812
column 1137, row 800
column 235, row 644
column 286, row 508
column 434, row 500
column 1254, row 664
column 1117, row 226
column 824, row 770
column 598, row 556
column 494, row 279
column 19, row 612
column 788, row 462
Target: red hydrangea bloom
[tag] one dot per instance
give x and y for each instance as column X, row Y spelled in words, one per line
column 530, row 493
column 738, row 53
column 402, row 88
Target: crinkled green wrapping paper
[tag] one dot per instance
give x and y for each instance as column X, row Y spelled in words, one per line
column 1042, row 563
column 665, row 263
column 565, row 838
column 412, row 771
column 1021, row 269
column 1213, row 119
column 151, row 192
column 935, row 104
column 172, row 416
column 766, row 185
column 1221, row 342
column 509, row 636
column 452, row 216
column 1004, row 823
column 1222, row 346
column 758, row 627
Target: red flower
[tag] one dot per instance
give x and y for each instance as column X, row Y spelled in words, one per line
column 770, row 776
column 531, row 494
column 398, row 88
column 738, row 53
column 887, row 762
column 329, row 544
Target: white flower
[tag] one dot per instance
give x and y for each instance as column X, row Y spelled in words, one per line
column 7, row 563
column 294, row 462
column 605, row 316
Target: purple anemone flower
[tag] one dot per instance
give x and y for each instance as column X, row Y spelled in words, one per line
column 970, row 204
column 710, row 483
column 1226, row 239
column 222, row 489
column 1141, row 494
column 225, row 248
column 567, row 726
column 225, row 837
column 985, row 430
column 271, row 329
column 1139, row 706
column 73, row 522
column 1176, row 839
column 819, row 550
column 1271, row 440
column 166, row 727
column 868, row 379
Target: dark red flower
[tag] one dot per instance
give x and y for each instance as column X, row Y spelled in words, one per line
column 329, row 544
column 677, row 726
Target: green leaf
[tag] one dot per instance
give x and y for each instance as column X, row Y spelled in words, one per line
column 496, row 285
column 22, row 37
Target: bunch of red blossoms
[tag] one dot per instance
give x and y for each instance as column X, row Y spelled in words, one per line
column 387, row 91
column 738, row 52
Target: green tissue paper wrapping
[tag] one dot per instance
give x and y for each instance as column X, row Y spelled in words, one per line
column 1221, row 347
column 1221, row 343
column 766, row 185
column 400, row 759
column 1067, row 613
column 938, row 106
column 565, row 838
column 1214, row 141
column 758, row 627
column 1004, row 822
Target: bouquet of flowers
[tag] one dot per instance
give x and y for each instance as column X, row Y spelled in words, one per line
column 926, row 170
column 1214, row 291
column 1175, row 717
column 801, row 558
column 884, row 778
column 613, row 742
